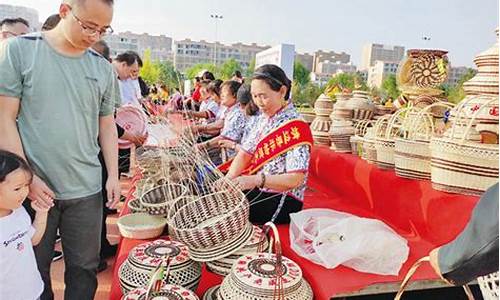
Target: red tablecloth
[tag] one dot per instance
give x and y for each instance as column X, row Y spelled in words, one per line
column 425, row 217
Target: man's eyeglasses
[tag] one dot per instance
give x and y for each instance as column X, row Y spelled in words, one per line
column 91, row 31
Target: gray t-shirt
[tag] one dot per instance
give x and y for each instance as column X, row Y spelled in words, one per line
column 62, row 98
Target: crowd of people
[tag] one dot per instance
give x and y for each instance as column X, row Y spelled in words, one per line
column 59, row 159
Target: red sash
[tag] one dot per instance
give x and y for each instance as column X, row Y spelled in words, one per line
column 292, row 134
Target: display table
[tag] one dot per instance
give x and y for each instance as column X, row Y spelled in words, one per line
column 425, row 217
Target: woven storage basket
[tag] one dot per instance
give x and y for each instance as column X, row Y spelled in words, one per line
column 356, row 140
column 489, row 286
column 223, row 266
column 157, row 200
column 461, row 166
column 412, row 157
column 368, row 145
column 212, row 293
column 136, row 270
column 265, row 276
column 134, row 205
column 176, row 205
column 384, row 142
column 213, row 221
column 141, row 226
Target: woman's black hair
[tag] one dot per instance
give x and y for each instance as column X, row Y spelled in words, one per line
column 237, row 73
column 9, row 162
column 129, row 57
column 244, row 96
column 233, row 87
column 214, row 87
column 207, row 75
column 275, row 77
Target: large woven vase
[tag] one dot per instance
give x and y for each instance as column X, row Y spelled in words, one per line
column 321, row 124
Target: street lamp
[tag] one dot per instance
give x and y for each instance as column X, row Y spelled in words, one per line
column 216, row 18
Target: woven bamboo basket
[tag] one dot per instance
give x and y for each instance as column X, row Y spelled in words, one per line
column 412, row 156
column 461, row 166
column 383, row 142
column 157, row 200
column 176, row 205
column 489, row 286
column 160, row 282
column 141, row 226
column 135, row 206
column 265, row 276
column 356, row 140
column 368, row 145
column 213, row 221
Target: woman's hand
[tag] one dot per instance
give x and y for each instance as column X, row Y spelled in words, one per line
column 247, row 182
column 227, row 144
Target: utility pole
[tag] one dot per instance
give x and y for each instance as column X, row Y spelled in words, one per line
column 216, row 19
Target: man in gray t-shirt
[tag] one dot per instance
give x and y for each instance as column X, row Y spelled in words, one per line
column 57, row 100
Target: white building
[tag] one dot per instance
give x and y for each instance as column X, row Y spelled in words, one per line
column 119, row 44
column 379, row 71
column 373, row 52
column 188, row 53
column 328, row 67
column 29, row 14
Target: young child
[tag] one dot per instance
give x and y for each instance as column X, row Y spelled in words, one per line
column 19, row 276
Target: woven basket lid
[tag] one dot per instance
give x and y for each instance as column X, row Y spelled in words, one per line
column 150, row 255
column 258, row 271
column 167, row 292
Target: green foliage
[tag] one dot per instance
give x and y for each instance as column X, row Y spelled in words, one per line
column 390, row 86
column 305, row 95
column 170, row 76
column 251, row 68
column 351, row 81
column 150, row 71
column 300, row 74
column 227, row 69
column 455, row 93
column 192, row 72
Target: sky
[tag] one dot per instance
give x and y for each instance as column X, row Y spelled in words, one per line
column 463, row 27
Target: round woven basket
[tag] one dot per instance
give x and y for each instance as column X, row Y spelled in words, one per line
column 143, row 259
column 141, row 226
column 265, row 275
column 211, row 220
column 157, row 200
column 461, row 166
column 488, row 285
column 368, row 145
column 134, row 205
column 212, row 293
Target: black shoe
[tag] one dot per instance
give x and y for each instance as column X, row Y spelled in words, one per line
column 108, row 251
column 57, row 255
column 103, row 265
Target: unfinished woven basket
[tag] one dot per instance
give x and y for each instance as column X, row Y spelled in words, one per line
column 212, row 220
column 157, row 200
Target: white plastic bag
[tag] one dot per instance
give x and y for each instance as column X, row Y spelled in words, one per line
column 331, row 238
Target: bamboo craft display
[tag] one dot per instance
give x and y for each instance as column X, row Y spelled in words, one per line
column 356, row 140
column 462, row 166
column 412, row 156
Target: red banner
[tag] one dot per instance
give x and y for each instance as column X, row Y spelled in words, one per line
column 292, row 134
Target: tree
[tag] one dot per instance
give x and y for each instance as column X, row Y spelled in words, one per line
column 150, row 71
column 455, row 93
column 227, row 69
column 251, row 68
column 305, row 94
column 170, row 76
column 192, row 72
column 390, row 86
column 300, row 74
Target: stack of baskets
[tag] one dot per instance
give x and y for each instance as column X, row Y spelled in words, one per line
column 213, row 226
column 341, row 128
column 223, row 266
column 321, row 124
column 263, row 276
column 136, row 271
